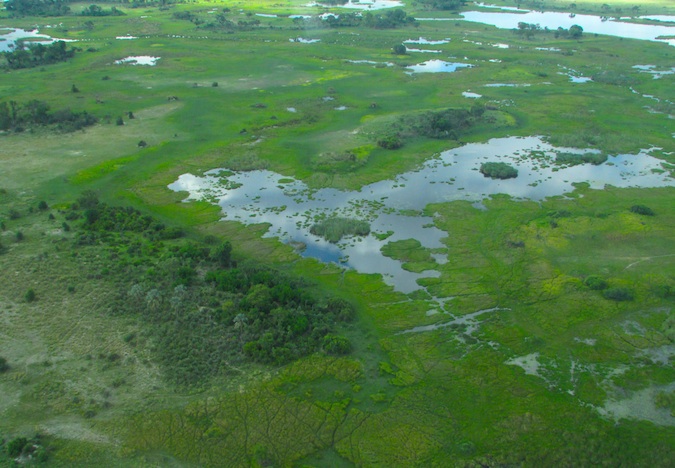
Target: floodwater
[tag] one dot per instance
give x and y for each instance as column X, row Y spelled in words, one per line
column 290, row 207
column 9, row 36
column 138, row 60
column 590, row 24
column 436, row 66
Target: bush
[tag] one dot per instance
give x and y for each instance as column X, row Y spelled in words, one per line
column 336, row 345
column 571, row 159
column 4, row 366
column 30, row 295
column 642, row 210
column 15, row 447
column 618, row 294
column 498, row 170
column 390, row 142
column 595, row 283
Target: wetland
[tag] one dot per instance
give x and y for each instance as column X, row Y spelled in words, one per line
column 276, row 236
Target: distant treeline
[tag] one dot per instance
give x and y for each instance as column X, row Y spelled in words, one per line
column 37, row 55
column 17, row 117
column 61, row 8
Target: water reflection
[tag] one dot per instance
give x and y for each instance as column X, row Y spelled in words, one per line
column 590, row 24
column 290, row 208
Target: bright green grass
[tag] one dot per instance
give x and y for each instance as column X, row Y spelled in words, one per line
column 433, row 398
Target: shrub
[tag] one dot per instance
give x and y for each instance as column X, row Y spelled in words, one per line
column 15, row 447
column 642, row 210
column 498, row 170
column 618, row 294
column 4, row 366
column 595, row 283
column 336, row 345
column 42, row 205
column 390, row 142
column 30, row 295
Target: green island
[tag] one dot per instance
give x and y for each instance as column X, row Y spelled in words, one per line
column 216, row 250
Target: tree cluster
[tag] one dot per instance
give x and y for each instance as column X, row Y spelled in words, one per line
column 37, row 55
column 16, row 117
column 37, row 7
column 205, row 313
column 443, row 4
column 95, row 10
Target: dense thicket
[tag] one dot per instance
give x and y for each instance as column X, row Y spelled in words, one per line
column 37, row 55
column 17, row 117
column 37, row 7
column 204, row 313
column 14, row 116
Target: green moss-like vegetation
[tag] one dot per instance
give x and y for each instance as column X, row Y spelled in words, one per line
column 571, row 159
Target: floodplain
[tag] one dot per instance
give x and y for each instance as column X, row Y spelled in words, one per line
column 470, row 320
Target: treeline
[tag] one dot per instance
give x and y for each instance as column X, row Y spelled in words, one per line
column 443, row 4
column 37, row 55
column 529, row 30
column 17, row 117
column 204, row 313
column 61, row 8
column 95, row 10
column 390, row 19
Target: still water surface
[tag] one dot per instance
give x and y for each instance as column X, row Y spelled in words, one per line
column 290, row 207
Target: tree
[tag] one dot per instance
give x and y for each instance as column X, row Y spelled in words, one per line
column 399, row 49
column 576, row 31
column 4, row 366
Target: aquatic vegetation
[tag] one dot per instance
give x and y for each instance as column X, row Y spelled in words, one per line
column 498, row 170
column 334, row 229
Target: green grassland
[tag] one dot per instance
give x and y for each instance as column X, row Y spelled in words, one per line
column 517, row 359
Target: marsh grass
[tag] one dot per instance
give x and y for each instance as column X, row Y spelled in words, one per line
column 442, row 395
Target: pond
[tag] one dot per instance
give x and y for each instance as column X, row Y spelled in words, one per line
column 436, row 66
column 391, row 206
column 590, row 24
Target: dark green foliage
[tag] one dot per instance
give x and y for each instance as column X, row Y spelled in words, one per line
column 37, row 7
column 14, row 116
column 30, row 295
column 574, row 32
column 334, row 229
column 119, row 121
column 399, row 49
column 202, row 314
column 4, row 365
column 19, row 236
column 222, row 254
column 618, row 294
column 336, row 345
column 37, row 55
column 498, row 170
column 642, row 210
column 595, row 283
column 390, row 142
column 15, row 446
column 443, row 4
column 448, row 123
column 42, row 205
column 95, row 10
column 571, row 159
column 74, row 89
column 527, row 30
column 14, row 213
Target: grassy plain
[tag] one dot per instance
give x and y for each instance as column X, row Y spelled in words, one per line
column 525, row 365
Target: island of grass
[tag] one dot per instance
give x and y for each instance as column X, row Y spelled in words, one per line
column 498, row 170
column 571, row 159
column 334, row 229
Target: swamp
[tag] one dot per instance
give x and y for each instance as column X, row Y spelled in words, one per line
column 301, row 234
